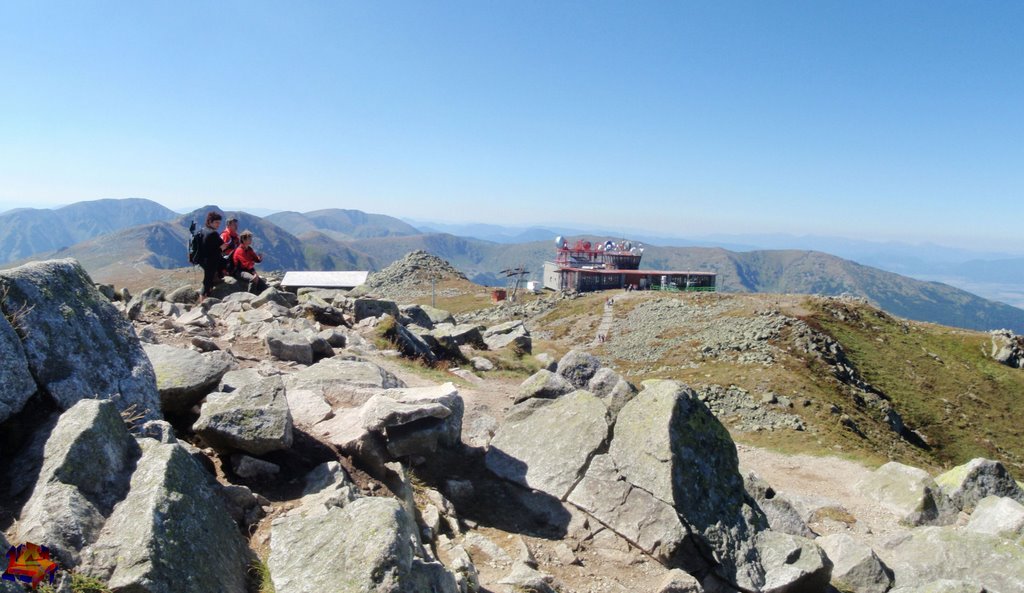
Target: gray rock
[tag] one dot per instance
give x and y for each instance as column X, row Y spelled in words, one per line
column 910, row 493
column 87, row 464
column 856, row 568
column 479, row 431
column 197, row 317
column 929, row 554
column 436, row 315
column 184, row 294
column 107, row 290
column 543, row 384
column 414, row 314
column 204, row 344
column 546, row 444
column 159, row 430
column 966, row 484
column 792, row 564
column 405, row 341
column 1008, row 348
column 415, row 420
column 481, row 364
column 578, row 367
column 75, row 341
column 278, row 297
column 250, row 467
column 172, row 533
column 16, row 382
column 462, row 335
column 334, row 337
column 612, row 388
column 343, row 383
column 548, row 362
column 997, row 515
column 307, row 407
column 362, row 546
column 647, row 522
column 183, row 376
column 254, row 419
column 781, row 514
column 366, row 308
column 678, row 581
column 147, row 300
column 668, row 443
column 527, row 579
column 235, row 380
column 289, row 345
column 511, row 334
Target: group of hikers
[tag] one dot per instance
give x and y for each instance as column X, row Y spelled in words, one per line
column 228, row 253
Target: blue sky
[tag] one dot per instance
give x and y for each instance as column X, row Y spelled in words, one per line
column 872, row 120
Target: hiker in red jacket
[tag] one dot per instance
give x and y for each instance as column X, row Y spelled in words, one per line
column 231, row 242
column 246, row 258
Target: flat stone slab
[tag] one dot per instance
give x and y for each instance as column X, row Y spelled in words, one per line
column 347, row 279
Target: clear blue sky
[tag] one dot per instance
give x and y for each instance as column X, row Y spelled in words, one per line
column 874, row 120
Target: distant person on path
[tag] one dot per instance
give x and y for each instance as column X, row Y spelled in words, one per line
column 245, row 259
column 212, row 252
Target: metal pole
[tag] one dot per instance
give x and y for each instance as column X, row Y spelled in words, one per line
column 433, row 296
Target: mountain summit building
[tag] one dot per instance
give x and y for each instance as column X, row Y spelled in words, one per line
column 586, row 267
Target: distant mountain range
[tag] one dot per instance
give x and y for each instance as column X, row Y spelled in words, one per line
column 138, row 232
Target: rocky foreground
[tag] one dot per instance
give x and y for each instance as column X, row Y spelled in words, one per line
column 158, row 445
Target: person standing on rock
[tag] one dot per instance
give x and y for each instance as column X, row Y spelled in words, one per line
column 212, row 253
column 245, row 259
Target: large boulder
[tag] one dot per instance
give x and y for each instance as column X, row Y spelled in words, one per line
column 1008, row 348
column 612, row 388
column 463, row 335
column 856, row 567
column 966, row 484
column 76, row 343
column 543, row 384
column 343, row 383
column 415, row 420
column 929, row 554
column 781, row 514
column 405, row 341
column 171, row 534
column 546, row 444
column 254, row 419
column 366, row 308
column 289, row 346
column 16, row 382
column 908, row 492
column 998, row 515
column 792, row 564
column 87, row 465
column 511, row 334
column 668, row 443
column 184, row 376
column 363, row 545
column 578, row 367
column 436, row 315
column 645, row 521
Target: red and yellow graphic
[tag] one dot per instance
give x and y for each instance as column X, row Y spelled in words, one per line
column 29, row 563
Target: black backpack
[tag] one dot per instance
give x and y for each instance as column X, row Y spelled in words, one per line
column 195, row 246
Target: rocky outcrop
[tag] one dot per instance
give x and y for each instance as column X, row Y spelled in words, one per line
column 967, row 484
column 930, row 554
column 578, row 367
column 343, row 383
column 16, row 382
column 76, row 343
column 908, row 492
column 338, row 541
column 289, row 346
column 254, row 419
column 512, row 334
column 171, row 533
column 546, row 444
column 415, row 420
column 1007, row 348
column 997, row 515
column 781, row 514
column 612, row 388
column 367, row 308
column 856, row 567
column 87, row 464
column 543, row 384
column 183, row 376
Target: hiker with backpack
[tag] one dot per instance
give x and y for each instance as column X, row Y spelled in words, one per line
column 209, row 252
column 245, row 260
